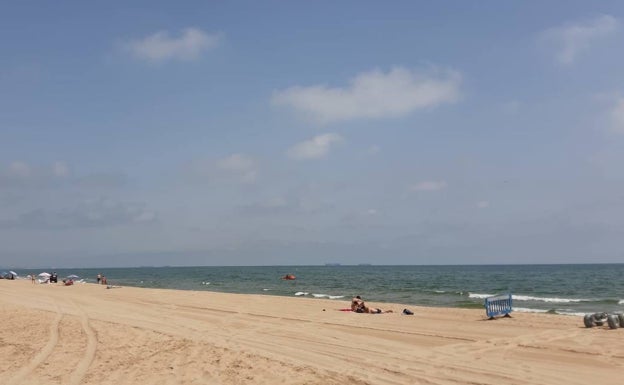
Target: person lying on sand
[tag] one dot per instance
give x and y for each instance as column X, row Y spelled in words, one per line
column 358, row 306
column 357, row 303
column 373, row 310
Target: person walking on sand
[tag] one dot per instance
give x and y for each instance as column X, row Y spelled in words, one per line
column 99, row 278
column 32, row 278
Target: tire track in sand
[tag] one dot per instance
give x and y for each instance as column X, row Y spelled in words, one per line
column 43, row 354
column 89, row 355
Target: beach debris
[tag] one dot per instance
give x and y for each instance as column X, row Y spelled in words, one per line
column 598, row 319
column 408, row 312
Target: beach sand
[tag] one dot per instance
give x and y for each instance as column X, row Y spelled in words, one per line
column 88, row 334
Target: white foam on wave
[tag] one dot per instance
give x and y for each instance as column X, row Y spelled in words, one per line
column 477, row 295
column 528, row 310
column 327, row 296
column 530, row 298
column 301, row 293
column 558, row 312
column 621, row 302
column 546, row 299
column 576, row 314
column 266, row 289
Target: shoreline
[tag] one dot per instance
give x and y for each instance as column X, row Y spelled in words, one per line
column 559, row 289
column 88, row 334
column 476, row 306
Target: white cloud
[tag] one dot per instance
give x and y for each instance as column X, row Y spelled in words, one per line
column 235, row 168
column 161, row 46
column 429, row 186
column 20, row 174
column 374, row 149
column 19, row 169
column 360, row 217
column 236, row 162
column 373, row 94
column 102, row 181
column 272, row 206
column 60, row 169
column 572, row 39
column 314, row 148
column 617, row 116
column 371, row 212
column 483, row 204
column 99, row 212
column 512, row 107
column 240, row 166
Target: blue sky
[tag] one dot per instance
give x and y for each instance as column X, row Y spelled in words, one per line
column 259, row 133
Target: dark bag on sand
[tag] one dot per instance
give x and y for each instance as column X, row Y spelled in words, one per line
column 408, row 312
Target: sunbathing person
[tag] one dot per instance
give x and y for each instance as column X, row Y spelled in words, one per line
column 359, row 306
column 373, row 310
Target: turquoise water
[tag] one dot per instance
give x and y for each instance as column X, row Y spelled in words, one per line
column 564, row 289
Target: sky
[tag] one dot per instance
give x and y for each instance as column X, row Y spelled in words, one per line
column 310, row 132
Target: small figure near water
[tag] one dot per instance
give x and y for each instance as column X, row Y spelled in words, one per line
column 289, row 277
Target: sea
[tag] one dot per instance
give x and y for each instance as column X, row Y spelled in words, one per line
column 559, row 289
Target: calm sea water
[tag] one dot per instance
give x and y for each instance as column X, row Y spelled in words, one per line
column 563, row 289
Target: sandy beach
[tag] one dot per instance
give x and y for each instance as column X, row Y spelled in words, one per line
column 88, row 334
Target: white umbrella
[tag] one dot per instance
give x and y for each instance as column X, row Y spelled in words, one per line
column 45, row 274
column 12, row 272
column 73, row 276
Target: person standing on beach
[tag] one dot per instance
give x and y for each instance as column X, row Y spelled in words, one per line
column 32, row 278
column 99, row 278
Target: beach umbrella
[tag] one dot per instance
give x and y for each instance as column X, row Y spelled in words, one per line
column 73, row 276
column 44, row 274
column 12, row 272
